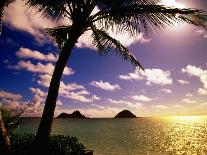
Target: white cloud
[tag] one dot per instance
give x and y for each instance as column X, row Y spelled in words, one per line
column 166, row 91
column 183, row 82
column 157, row 76
column 105, row 85
column 159, row 107
column 189, row 95
column 65, row 88
column 172, row 3
column 14, row 105
column 202, row 91
column 20, row 17
column 44, row 80
column 72, row 91
column 197, row 72
column 126, row 103
column 116, row 101
column 39, row 68
column 78, row 97
column 202, row 33
column 187, row 100
column 177, row 106
column 130, row 76
column 142, row 98
column 28, row 53
column 152, row 76
column 9, row 95
column 38, row 91
column 94, row 97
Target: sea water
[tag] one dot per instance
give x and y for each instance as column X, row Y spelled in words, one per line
column 139, row 136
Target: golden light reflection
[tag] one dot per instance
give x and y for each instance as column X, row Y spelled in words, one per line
column 186, row 134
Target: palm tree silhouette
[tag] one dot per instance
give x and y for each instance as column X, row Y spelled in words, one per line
column 132, row 16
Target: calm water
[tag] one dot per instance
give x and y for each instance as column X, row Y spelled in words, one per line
column 172, row 136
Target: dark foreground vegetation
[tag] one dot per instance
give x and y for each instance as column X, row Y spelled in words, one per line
column 21, row 144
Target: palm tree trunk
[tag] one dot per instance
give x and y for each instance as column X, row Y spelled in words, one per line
column 6, row 145
column 44, row 130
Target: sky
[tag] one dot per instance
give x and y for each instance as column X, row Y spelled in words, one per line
column 174, row 81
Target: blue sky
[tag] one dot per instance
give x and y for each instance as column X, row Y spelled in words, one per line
column 174, row 81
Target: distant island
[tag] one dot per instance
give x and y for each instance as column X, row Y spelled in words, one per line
column 125, row 114
column 75, row 114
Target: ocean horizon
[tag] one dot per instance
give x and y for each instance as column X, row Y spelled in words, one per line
column 134, row 136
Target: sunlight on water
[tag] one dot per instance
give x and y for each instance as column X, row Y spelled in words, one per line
column 186, row 135
column 180, row 135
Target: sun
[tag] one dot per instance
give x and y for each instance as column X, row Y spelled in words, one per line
column 172, row 3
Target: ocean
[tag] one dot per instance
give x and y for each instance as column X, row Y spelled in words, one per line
column 139, row 136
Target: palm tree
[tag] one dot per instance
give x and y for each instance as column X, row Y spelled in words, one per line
column 3, row 4
column 131, row 16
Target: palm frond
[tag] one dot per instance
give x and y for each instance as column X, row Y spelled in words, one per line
column 59, row 34
column 120, row 3
column 135, row 18
column 105, row 44
column 52, row 9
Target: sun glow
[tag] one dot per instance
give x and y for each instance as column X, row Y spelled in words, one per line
column 188, row 118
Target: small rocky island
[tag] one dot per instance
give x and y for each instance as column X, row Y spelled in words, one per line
column 125, row 114
column 75, row 114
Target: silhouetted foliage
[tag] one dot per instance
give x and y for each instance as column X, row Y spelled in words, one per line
column 58, row 145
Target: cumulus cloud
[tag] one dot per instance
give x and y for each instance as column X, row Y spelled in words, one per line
column 105, row 85
column 94, row 97
column 28, row 53
column 130, row 76
column 177, row 106
column 142, row 98
column 14, row 105
column 187, row 100
column 189, row 95
column 44, row 80
column 197, row 72
column 72, row 91
column 128, row 104
column 152, row 76
column 183, row 82
column 39, row 67
column 13, row 101
column 202, row 91
column 38, row 91
column 159, row 107
column 166, row 91
column 172, row 3
column 9, row 95
column 202, row 33
column 20, row 17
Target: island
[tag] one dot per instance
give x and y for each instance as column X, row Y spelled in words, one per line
column 75, row 114
column 125, row 114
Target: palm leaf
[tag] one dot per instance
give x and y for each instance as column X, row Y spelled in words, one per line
column 105, row 44
column 135, row 18
column 52, row 9
column 60, row 34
